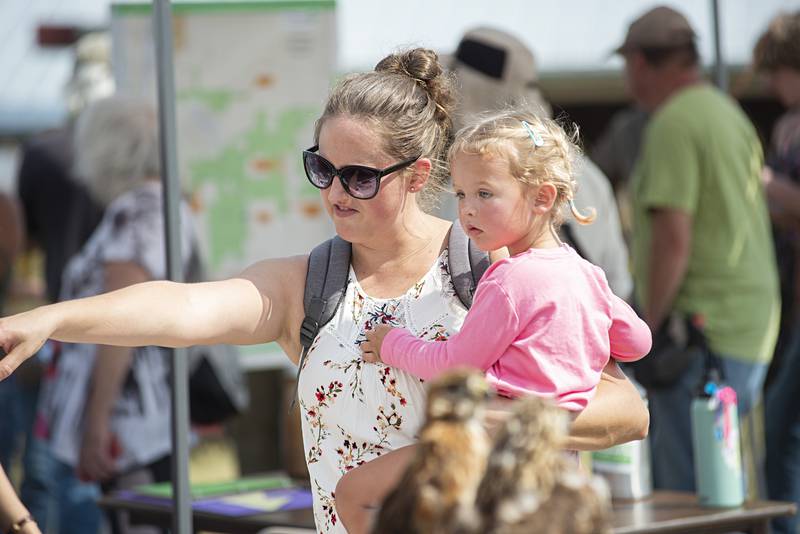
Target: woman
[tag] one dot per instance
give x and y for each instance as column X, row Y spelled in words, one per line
column 397, row 116
column 103, row 410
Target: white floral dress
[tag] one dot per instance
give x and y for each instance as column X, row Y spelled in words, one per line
column 353, row 412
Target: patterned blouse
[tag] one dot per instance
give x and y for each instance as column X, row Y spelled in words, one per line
column 352, row 412
column 132, row 230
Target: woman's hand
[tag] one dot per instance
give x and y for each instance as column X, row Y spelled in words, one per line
column 615, row 415
column 98, row 452
column 21, row 336
column 372, row 346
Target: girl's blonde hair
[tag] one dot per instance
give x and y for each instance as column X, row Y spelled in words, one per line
column 537, row 149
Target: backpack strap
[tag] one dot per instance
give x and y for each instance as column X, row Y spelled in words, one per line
column 326, row 283
column 467, row 264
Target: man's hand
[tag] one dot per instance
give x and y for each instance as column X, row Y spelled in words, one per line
column 372, row 346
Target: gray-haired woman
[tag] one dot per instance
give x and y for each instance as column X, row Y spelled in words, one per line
column 105, row 410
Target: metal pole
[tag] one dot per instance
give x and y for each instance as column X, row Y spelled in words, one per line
column 162, row 24
column 720, row 72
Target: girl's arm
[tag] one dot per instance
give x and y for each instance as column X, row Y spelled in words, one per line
column 12, row 511
column 629, row 335
column 255, row 307
column 490, row 327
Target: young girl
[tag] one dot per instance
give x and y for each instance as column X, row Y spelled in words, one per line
column 512, row 176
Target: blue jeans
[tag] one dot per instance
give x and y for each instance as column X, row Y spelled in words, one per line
column 670, row 421
column 782, row 422
column 53, row 481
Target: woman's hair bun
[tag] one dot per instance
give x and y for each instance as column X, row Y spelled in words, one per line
column 422, row 65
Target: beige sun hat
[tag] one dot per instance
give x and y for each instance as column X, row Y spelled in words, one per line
column 494, row 69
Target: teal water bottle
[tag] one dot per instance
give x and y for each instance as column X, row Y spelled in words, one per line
column 717, row 455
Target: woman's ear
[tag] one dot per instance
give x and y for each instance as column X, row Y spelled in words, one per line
column 422, row 171
column 544, row 198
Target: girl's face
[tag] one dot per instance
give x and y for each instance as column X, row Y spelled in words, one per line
column 494, row 208
column 347, row 141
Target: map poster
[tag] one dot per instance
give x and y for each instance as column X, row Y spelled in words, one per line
column 251, row 77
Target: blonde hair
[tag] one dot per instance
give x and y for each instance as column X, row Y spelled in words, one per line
column 550, row 158
column 408, row 100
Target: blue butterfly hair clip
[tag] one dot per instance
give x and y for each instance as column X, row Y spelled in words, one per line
column 535, row 137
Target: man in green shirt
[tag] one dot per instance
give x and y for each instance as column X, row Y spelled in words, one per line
column 702, row 244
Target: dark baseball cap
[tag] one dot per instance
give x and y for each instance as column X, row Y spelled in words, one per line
column 661, row 27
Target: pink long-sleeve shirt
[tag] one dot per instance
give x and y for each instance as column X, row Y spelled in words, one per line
column 543, row 322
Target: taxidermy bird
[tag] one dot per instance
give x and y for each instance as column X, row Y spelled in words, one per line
column 531, row 485
column 437, row 490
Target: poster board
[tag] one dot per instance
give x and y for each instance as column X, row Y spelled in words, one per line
column 251, row 77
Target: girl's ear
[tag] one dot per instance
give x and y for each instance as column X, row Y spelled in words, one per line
column 422, row 171
column 544, row 198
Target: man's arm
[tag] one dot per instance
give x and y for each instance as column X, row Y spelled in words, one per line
column 671, row 243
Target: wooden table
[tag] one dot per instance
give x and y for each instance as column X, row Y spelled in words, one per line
column 662, row 512
column 679, row 512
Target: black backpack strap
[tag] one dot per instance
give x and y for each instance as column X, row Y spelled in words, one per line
column 467, row 264
column 326, row 284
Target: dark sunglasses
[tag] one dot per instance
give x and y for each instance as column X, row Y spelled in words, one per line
column 360, row 182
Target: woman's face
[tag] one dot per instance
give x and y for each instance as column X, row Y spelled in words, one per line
column 347, row 141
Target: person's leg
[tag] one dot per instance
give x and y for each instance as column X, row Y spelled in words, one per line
column 39, row 486
column 782, row 422
column 37, row 490
column 9, row 429
column 77, row 502
column 671, row 431
column 361, row 491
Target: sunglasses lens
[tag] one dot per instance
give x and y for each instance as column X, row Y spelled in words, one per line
column 361, row 183
column 318, row 172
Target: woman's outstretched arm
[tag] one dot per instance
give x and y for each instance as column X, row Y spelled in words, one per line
column 252, row 308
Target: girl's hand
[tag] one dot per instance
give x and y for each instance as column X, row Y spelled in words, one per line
column 21, row 336
column 372, row 346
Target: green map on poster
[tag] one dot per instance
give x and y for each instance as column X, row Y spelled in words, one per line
column 250, row 168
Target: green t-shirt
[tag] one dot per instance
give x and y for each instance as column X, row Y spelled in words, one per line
column 701, row 155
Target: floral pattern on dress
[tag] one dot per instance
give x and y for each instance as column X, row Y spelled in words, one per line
column 353, row 411
column 352, row 369
column 385, row 313
column 328, row 506
column 314, row 417
column 435, row 332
